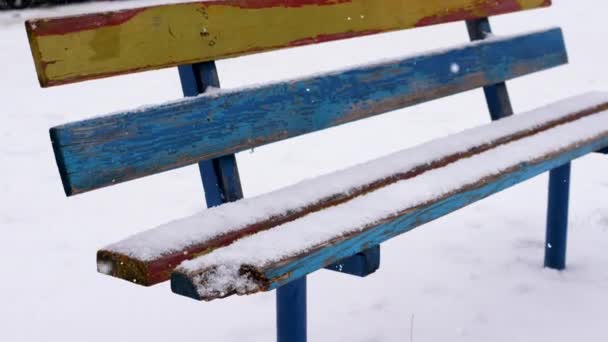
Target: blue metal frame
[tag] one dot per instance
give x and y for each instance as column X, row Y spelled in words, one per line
column 361, row 264
column 220, row 176
column 221, row 183
column 497, row 95
column 291, row 311
column 557, row 218
column 499, row 105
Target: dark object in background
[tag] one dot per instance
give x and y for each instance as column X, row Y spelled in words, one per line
column 18, row 4
column 21, row 4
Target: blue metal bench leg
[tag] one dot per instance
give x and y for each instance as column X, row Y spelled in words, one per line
column 291, row 311
column 499, row 105
column 557, row 217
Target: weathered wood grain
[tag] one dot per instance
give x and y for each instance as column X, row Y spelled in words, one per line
column 108, row 150
column 150, row 272
column 78, row 48
column 281, row 272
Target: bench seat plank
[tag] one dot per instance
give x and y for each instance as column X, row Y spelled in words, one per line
column 149, row 257
column 78, row 48
column 284, row 253
column 108, row 150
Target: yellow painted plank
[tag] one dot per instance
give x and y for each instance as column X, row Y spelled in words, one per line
column 78, row 48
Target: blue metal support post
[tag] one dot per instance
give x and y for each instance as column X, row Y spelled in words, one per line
column 361, row 264
column 291, row 311
column 220, row 176
column 221, row 183
column 497, row 95
column 499, row 104
column 557, row 217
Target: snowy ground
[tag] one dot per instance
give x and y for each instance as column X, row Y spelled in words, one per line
column 474, row 275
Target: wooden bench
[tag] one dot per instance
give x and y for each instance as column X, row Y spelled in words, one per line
column 336, row 221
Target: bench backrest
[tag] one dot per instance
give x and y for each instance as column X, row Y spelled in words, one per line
column 99, row 45
column 108, row 150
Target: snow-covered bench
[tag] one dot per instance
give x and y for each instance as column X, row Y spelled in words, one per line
column 335, row 221
column 317, row 222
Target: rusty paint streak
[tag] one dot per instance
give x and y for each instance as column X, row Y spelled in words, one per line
column 331, row 37
column 259, row 4
column 487, row 8
column 59, row 26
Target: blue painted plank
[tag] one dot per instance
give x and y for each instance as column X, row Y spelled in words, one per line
column 108, row 150
column 294, row 269
column 604, row 151
column 497, row 95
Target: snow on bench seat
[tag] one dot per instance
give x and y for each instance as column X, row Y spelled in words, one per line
column 358, row 199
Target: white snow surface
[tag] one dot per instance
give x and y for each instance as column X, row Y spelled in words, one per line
column 475, row 275
column 207, row 224
column 299, row 236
